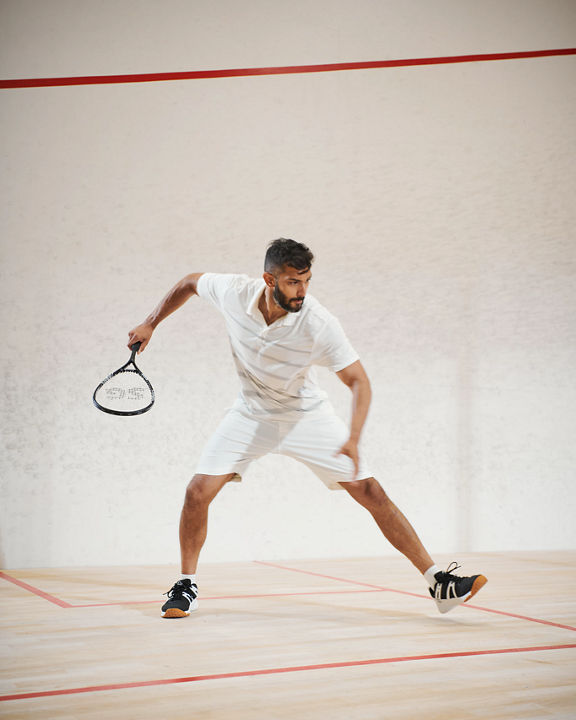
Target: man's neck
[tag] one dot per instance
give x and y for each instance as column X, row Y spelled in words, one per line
column 268, row 307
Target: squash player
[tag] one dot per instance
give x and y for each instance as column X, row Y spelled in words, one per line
column 277, row 334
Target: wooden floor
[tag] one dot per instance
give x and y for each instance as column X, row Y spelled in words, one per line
column 311, row 640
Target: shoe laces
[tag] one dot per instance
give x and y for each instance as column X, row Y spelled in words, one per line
column 448, row 574
column 177, row 590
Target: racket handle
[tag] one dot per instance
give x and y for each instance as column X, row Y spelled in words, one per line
column 135, row 348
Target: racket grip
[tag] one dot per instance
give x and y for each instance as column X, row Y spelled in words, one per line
column 135, row 347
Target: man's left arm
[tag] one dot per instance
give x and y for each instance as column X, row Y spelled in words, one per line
column 354, row 376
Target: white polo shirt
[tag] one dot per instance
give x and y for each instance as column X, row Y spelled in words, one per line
column 274, row 362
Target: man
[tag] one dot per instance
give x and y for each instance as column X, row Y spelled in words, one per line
column 277, row 333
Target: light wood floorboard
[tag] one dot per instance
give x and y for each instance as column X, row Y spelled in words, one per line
column 348, row 639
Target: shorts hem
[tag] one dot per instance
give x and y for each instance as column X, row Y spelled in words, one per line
column 237, row 475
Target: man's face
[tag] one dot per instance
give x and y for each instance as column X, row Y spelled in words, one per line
column 290, row 288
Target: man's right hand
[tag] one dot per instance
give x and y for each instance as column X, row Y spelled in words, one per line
column 141, row 333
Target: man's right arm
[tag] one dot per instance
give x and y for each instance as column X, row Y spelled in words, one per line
column 175, row 298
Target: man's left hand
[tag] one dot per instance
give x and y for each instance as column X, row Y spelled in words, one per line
column 350, row 449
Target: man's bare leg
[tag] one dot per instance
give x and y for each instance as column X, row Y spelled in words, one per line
column 449, row 590
column 202, row 489
column 394, row 526
column 200, row 492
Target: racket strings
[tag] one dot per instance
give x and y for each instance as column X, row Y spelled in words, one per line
column 125, row 391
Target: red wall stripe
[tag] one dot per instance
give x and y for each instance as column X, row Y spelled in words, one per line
column 285, row 70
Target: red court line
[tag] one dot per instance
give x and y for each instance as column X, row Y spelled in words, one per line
column 329, row 577
column 403, row 592
column 520, row 617
column 36, row 591
column 234, row 597
column 282, row 70
column 371, row 588
column 339, row 579
column 275, row 671
column 64, row 604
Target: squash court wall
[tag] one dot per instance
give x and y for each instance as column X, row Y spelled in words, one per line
column 438, row 200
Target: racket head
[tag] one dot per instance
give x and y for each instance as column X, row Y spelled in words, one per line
column 126, row 391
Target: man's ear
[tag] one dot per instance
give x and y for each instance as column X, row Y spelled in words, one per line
column 269, row 279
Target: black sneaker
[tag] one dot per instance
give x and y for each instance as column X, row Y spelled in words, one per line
column 182, row 599
column 451, row 590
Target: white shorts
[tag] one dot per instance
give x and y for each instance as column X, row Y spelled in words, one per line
column 240, row 439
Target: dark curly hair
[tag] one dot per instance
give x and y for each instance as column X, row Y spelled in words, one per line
column 284, row 251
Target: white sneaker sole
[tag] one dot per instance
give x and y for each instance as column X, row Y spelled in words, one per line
column 177, row 613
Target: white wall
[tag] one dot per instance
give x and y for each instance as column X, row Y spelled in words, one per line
column 438, row 200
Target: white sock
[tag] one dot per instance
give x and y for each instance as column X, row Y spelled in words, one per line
column 192, row 578
column 429, row 575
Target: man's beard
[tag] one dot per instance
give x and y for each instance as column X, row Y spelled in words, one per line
column 284, row 303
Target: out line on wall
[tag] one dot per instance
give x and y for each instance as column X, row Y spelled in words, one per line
column 282, row 70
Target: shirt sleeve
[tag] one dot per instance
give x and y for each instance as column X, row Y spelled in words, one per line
column 214, row 286
column 332, row 347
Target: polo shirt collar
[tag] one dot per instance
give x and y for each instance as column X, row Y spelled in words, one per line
column 254, row 311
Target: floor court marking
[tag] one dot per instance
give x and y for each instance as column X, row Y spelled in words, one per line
column 404, row 592
column 63, row 604
column 279, row 670
column 283, row 70
column 369, row 588
column 35, row 591
column 231, row 597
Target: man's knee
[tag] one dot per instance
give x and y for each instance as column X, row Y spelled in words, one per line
column 368, row 492
column 202, row 489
